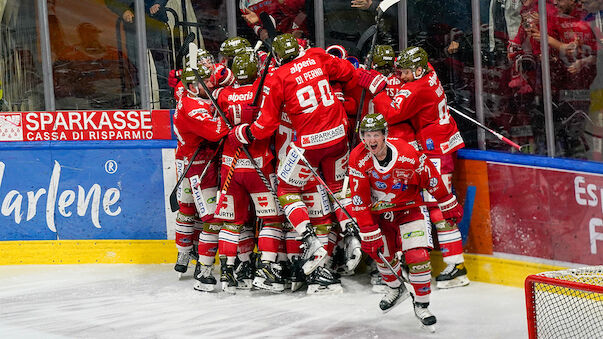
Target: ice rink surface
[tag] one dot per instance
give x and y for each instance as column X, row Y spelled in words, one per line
column 148, row 301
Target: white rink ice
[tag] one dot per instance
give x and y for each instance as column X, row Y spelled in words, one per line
column 147, row 301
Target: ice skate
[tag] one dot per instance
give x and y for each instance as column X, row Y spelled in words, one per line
column 268, row 277
column 182, row 263
column 227, row 277
column 322, row 281
column 393, row 297
column 204, row 279
column 425, row 316
column 453, row 276
column 314, row 254
column 298, row 278
column 244, row 275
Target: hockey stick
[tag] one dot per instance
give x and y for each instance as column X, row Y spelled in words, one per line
column 479, row 124
column 184, row 49
column 365, row 36
column 322, row 182
column 173, row 198
column 383, row 6
column 227, row 181
column 223, row 116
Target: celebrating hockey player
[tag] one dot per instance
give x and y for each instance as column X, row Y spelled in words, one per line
column 386, row 179
column 300, row 88
column 195, row 126
column 421, row 101
column 245, row 184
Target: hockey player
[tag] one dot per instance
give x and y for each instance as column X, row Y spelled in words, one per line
column 422, row 102
column 195, row 126
column 386, row 178
column 245, row 185
column 187, row 236
column 300, row 88
column 230, row 48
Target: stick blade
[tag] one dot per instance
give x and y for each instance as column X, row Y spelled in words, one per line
column 192, row 55
column 385, row 4
column 174, row 206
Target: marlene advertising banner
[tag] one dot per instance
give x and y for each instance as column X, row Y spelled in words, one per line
column 85, row 125
column 82, row 194
column 547, row 213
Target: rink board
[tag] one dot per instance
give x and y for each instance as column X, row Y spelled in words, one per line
column 535, row 206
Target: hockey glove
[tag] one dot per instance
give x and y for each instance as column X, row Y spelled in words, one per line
column 451, row 209
column 243, row 113
column 174, row 77
column 372, row 242
column 240, row 135
column 372, row 80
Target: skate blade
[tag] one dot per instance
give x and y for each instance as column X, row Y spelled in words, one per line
column 403, row 297
column 260, row 283
column 311, row 265
column 245, row 284
column 229, row 289
column 180, row 274
column 456, row 282
column 203, row 287
column 296, row 286
column 316, row 289
column 430, row 328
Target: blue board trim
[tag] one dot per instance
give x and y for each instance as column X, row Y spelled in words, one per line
column 532, row 160
column 73, row 145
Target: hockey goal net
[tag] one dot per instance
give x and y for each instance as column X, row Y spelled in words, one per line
column 565, row 304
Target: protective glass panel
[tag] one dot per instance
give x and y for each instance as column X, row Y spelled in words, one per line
column 576, row 62
column 94, row 54
column 350, row 24
column 21, row 85
column 291, row 16
column 512, row 75
column 443, row 29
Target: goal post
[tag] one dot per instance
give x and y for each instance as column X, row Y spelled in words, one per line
column 565, row 304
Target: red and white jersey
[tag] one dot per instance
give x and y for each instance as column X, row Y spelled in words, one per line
column 195, row 123
column 260, row 150
column 376, row 189
column 423, row 103
column 394, row 84
column 301, row 89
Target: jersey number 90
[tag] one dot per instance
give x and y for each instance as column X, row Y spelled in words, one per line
column 307, row 96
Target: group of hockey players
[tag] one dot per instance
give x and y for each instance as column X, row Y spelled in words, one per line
column 282, row 191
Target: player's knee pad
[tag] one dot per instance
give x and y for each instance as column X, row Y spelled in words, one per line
column 419, row 271
column 291, row 170
column 416, row 234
